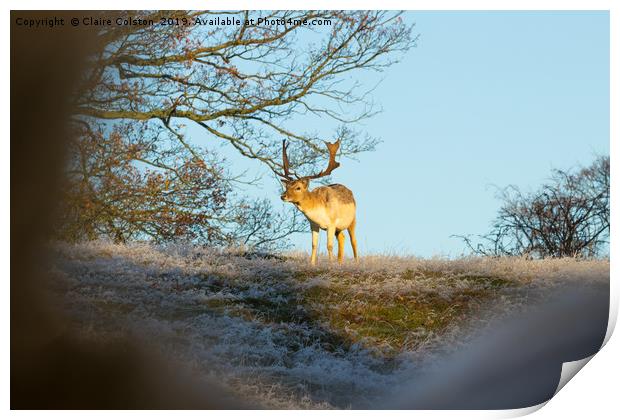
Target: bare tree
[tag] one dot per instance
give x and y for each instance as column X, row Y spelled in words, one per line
column 243, row 84
column 566, row 217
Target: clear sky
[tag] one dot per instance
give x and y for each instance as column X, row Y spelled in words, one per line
column 486, row 98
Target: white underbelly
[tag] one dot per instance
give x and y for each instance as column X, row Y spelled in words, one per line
column 318, row 216
column 321, row 217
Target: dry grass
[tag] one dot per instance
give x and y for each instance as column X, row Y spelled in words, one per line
column 292, row 335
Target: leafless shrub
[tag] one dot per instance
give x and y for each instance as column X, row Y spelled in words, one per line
column 566, row 217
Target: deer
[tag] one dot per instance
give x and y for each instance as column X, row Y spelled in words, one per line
column 330, row 208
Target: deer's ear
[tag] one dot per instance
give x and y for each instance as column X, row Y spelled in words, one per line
column 306, row 182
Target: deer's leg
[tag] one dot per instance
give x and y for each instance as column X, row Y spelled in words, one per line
column 331, row 232
column 353, row 240
column 340, row 237
column 315, row 242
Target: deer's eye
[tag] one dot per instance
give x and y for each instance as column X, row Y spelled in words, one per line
column 298, row 189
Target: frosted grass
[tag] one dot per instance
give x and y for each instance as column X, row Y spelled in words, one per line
column 192, row 303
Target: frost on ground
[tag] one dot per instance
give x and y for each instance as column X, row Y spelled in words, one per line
column 284, row 334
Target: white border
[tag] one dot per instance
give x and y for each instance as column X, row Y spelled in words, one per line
column 592, row 394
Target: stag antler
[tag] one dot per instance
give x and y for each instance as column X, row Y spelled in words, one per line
column 331, row 147
column 285, row 164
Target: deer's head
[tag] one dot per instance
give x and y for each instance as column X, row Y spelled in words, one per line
column 295, row 190
column 297, row 187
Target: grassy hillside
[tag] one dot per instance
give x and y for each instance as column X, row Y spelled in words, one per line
column 286, row 334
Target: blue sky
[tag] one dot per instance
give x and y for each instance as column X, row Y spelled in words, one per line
column 486, row 98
